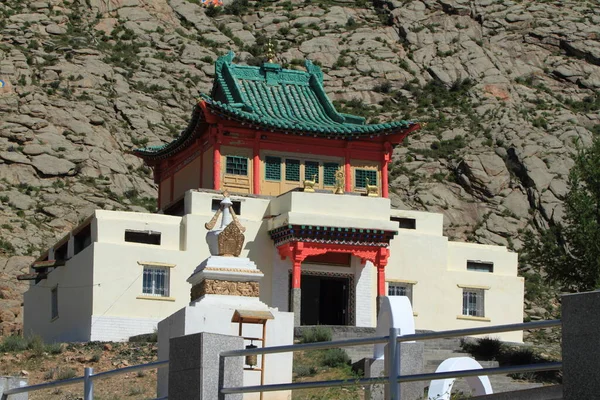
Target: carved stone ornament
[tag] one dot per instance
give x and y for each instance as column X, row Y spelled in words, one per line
column 230, row 288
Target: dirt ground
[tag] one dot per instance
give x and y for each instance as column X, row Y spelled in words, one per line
column 46, row 367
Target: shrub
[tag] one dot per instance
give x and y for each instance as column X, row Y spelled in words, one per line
column 384, row 87
column 65, row 373
column 212, row 11
column 316, row 334
column 335, row 358
column 304, row 370
column 135, row 391
column 486, row 348
column 36, row 345
column 13, row 343
column 54, row 348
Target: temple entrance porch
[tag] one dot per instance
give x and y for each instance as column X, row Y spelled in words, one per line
column 326, row 300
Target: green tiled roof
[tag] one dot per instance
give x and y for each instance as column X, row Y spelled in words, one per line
column 277, row 99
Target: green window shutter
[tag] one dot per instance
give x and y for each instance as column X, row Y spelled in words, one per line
column 329, row 170
column 361, row 174
column 236, row 165
column 311, row 168
column 273, row 168
column 292, row 170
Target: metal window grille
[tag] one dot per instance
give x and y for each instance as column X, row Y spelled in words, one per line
column 54, row 302
column 329, row 170
column 311, row 168
column 473, row 302
column 156, row 281
column 236, row 165
column 273, row 168
column 361, row 174
column 292, row 170
column 400, row 289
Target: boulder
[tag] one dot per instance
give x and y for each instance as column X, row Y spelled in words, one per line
column 52, row 166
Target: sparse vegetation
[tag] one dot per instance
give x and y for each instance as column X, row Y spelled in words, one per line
column 316, row 334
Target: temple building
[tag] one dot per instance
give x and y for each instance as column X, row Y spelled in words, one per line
column 310, row 184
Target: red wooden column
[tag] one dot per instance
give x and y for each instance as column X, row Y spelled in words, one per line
column 256, row 165
column 296, row 274
column 217, row 163
column 387, row 155
column 380, row 262
column 380, row 281
column 347, row 170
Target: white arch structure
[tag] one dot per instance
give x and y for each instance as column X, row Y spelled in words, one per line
column 441, row 389
column 394, row 312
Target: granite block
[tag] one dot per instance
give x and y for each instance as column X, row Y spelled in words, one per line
column 12, row 382
column 580, row 344
column 196, row 371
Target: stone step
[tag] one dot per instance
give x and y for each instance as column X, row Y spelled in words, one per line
column 431, row 365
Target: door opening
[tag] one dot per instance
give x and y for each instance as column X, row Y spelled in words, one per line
column 324, row 300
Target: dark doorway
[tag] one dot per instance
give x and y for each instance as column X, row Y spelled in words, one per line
column 324, row 300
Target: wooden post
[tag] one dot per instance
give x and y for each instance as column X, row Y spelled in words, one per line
column 256, row 166
column 217, row 163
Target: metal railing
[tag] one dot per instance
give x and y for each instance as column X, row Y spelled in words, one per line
column 394, row 378
column 88, row 380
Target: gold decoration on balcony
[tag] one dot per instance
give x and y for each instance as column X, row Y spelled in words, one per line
column 339, row 182
column 309, row 185
column 372, row 190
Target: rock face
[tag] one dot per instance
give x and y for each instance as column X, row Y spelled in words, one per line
column 508, row 89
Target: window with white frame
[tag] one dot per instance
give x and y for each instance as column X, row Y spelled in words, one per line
column 156, row 281
column 473, row 302
column 54, row 303
column 401, row 289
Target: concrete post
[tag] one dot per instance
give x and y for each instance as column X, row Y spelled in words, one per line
column 195, row 368
column 580, row 344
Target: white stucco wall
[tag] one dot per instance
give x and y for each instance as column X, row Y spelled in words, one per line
column 439, row 269
column 75, row 283
column 421, row 255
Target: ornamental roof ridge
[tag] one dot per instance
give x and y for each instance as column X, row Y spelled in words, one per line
column 274, row 98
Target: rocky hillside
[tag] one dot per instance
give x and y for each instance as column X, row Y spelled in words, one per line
column 508, row 89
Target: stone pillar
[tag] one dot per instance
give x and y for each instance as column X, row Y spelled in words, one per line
column 296, row 302
column 580, row 344
column 13, row 382
column 295, row 295
column 195, row 368
column 411, row 362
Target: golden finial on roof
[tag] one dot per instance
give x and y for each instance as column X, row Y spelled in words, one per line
column 270, row 52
